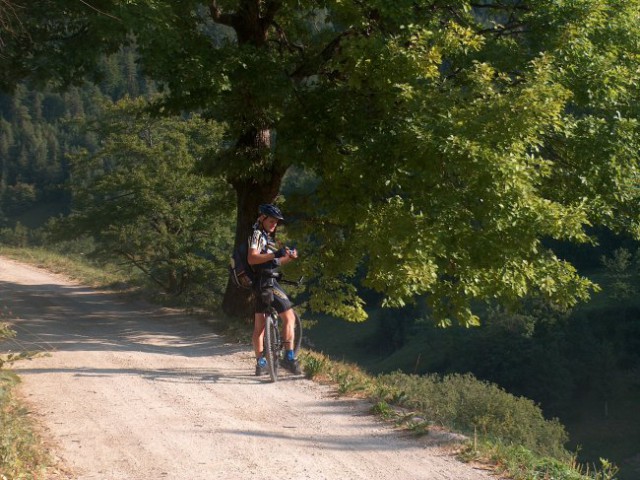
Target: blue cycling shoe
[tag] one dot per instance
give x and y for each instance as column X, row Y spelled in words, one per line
column 261, row 367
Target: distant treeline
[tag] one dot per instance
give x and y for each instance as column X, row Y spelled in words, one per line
column 38, row 130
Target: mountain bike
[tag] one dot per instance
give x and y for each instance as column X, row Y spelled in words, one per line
column 274, row 348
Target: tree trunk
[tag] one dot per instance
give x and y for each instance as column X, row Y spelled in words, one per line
column 250, row 194
column 251, row 22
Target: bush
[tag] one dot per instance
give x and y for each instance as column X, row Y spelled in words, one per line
column 17, row 236
column 464, row 403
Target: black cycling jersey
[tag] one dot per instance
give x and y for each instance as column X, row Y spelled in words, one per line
column 264, row 243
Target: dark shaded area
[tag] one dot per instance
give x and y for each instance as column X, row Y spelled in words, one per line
column 582, row 367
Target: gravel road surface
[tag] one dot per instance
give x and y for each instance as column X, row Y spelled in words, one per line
column 127, row 390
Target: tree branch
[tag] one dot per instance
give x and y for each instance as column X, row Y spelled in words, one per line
column 283, row 41
column 100, row 11
column 327, row 53
column 493, row 6
column 8, row 18
column 228, row 19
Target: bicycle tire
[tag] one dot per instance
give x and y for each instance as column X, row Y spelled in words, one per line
column 271, row 346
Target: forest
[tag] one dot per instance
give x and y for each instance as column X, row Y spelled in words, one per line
column 462, row 178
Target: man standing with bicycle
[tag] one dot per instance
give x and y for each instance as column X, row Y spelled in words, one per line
column 265, row 258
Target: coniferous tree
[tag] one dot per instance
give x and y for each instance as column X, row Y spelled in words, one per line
column 39, row 133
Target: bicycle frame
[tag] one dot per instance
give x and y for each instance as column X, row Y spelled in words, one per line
column 273, row 344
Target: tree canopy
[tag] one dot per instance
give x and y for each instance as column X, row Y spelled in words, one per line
column 446, row 140
column 137, row 194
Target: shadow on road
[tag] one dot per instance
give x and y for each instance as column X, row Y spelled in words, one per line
column 50, row 317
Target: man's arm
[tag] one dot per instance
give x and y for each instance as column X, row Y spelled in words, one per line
column 254, row 257
column 283, row 256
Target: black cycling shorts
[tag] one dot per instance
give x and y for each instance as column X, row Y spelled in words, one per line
column 281, row 301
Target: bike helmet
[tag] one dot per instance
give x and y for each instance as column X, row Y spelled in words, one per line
column 271, row 211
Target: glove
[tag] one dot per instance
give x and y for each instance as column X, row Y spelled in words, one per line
column 280, row 253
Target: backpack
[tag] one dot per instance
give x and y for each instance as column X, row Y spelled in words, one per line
column 241, row 273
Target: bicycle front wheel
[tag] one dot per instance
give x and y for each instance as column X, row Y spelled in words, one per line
column 271, row 346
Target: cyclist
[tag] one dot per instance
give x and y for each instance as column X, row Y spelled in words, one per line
column 265, row 257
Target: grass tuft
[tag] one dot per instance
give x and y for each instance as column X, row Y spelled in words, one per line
column 21, row 455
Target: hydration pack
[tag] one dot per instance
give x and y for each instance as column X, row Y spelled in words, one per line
column 241, row 273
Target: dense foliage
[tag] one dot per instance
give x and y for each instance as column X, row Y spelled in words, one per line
column 138, row 196
column 447, row 139
column 127, row 181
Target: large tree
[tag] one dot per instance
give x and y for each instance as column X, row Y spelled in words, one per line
column 445, row 139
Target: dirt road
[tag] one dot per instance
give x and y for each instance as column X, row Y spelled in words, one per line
column 131, row 391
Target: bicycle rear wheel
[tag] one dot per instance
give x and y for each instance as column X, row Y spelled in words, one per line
column 272, row 346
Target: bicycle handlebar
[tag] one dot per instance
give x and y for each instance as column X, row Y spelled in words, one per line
column 280, row 277
column 297, row 283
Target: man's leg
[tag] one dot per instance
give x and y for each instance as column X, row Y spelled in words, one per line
column 258, row 343
column 258, row 334
column 288, row 335
column 288, row 328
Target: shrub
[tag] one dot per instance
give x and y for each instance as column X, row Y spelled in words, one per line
column 466, row 404
column 314, row 366
column 17, row 236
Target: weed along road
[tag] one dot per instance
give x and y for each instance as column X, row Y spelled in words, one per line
column 131, row 391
